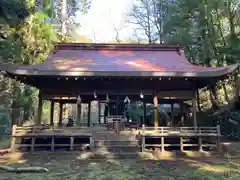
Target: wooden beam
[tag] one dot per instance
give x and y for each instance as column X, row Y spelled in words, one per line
column 176, row 94
column 185, row 94
column 114, row 84
column 171, row 96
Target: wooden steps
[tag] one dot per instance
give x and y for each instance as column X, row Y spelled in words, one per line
column 117, row 144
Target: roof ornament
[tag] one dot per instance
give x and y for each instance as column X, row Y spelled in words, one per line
column 107, row 98
column 127, row 100
column 141, row 95
column 95, row 95
column 79, row 100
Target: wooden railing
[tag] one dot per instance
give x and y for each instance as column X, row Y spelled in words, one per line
column 186, row 131
column 54, row 135
column 182, row 133
column 116, row 122
column 115, row 118
column 28, row 130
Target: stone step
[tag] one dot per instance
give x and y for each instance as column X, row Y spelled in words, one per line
column 119, row 149
column 101, row 154
column 116, row 142
column 117, row 155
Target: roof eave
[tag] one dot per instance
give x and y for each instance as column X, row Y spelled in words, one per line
column 13, row 70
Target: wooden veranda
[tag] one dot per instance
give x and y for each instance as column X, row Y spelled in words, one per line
column 74, row 138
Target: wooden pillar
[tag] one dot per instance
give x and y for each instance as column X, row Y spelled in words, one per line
column 172, row 113
column 52, row 114
column 181, row 114
column 143, row 141
column 71, row 143
column 194, row 112
column 60, row 114
column 162, row 144
column 200, row 143
column 181, row 144
column 79, row 113
column 218, row 138
column 155, row 102
column 117, row 105
column 14, row 139
column 144, row 112
column 39, row 111
column 99, row 112
column 89, row 113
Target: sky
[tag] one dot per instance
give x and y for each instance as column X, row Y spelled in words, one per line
column 98, row 24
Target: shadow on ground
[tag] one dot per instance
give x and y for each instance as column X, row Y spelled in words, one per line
column 77, row 166
column 147, row 166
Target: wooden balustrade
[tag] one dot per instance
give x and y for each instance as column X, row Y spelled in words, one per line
column 186, row 131
column 27, row 137
column 116, row 122
column 181, row 133
column 202, row 136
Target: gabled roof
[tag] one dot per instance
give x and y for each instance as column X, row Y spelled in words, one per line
column 78, row 59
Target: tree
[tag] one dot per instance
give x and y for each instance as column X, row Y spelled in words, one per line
column 26, row 37
column 65, row 16
column 117, row 27
column 142, row 16
column 25, row 41
column 150, row 17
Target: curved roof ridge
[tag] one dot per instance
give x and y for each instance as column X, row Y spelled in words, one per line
column 106, row 46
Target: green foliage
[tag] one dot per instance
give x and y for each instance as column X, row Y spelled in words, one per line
column 136, row 112
column 207, row 29
column 13, row 12
column 24, row 39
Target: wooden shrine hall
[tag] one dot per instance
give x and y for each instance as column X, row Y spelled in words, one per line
column 151, row 73
column 115, row 71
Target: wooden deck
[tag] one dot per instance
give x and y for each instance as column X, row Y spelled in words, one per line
column 71, row 138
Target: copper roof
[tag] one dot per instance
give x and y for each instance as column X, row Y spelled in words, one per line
column 118, row 60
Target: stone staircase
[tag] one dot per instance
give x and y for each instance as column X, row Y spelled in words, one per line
column 118, row 144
